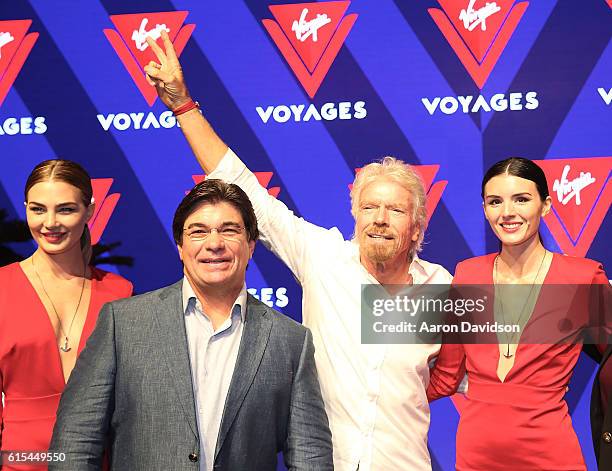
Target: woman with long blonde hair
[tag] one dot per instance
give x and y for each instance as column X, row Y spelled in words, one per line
column 49, row 304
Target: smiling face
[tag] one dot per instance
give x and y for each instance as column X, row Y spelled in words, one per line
column 514, row 208
column 220, row 259
column 383, row 222
column 56, row 216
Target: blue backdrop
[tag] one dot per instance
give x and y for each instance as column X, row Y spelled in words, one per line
column 449, row 85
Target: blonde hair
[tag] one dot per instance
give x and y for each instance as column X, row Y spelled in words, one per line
column 407, row 177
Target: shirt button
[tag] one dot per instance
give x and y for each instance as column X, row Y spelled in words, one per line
column 193, row 457
column 607, row 437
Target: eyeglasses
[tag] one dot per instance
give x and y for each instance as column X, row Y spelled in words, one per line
column 198, row 234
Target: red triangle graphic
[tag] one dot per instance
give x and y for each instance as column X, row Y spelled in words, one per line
column 477, row 21
column 297, row 54
column 198, row 178
column 433, row 190
column 478, row 52
column 427, row 174
column 135, row 27
column 100, row 187
column 309, row 27
column 105, row 206
column 11, row 35
column 15, row 46
column 131, row 47
column 581, row 198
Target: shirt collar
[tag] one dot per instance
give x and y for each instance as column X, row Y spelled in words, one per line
column 417, row 270
column 189, row 293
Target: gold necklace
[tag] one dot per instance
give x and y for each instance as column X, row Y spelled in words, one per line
column 501, row 301
column 64, row 348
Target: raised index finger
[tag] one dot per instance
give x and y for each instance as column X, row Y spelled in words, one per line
column 157, row 50
column 170, row 52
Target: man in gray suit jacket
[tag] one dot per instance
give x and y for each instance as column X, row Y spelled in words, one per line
column 198, row 375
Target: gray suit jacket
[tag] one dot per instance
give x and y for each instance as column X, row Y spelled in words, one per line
column 131, row 390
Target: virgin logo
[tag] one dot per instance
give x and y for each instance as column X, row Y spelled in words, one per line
column 472, row 18
column 566, row 189
column 478, row 49
column 129, row 41
column 574, row 226
column 327, row 29
column 304, row 29
column 139, row 36
column 15, row 46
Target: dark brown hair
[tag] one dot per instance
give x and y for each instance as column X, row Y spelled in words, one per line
column 522, row 168
column 70, row 172
column 213, row 191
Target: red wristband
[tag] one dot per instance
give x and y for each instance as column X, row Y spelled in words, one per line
column 184, row 108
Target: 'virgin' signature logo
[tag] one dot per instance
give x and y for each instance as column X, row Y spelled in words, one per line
column 139, row 36
column 303, row 29
column 566, row 189
column 472, row 18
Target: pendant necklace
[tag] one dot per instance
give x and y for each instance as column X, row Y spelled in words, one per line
column 64, row 348
column 501, row 302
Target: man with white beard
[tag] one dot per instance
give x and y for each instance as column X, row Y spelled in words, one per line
column 374, row 394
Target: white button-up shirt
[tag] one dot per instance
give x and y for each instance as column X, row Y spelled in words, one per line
column 212, row 355
column 374, row 394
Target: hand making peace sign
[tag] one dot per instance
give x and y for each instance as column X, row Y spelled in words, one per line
column 166, row 75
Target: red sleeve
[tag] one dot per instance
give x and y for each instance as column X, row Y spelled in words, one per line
column 1, row 422
column 447, row 373
column 7, row 287
column 449, row 369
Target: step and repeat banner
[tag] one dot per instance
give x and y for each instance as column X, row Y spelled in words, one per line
column 307, row 94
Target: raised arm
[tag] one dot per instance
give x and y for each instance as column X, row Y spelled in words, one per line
column 166, row 76
column 87, row 404
column 287, row 235
column 308, row 445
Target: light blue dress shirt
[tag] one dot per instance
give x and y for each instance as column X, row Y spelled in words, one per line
column 212, row 354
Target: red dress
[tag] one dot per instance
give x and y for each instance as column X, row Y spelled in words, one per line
column 522, row 423
column 31, row 376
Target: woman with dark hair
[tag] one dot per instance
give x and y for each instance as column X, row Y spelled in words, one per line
column 516, row 416
column 49, row 304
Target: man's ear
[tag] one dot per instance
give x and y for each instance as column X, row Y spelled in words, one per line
column 251, row 248
column 180, row 251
